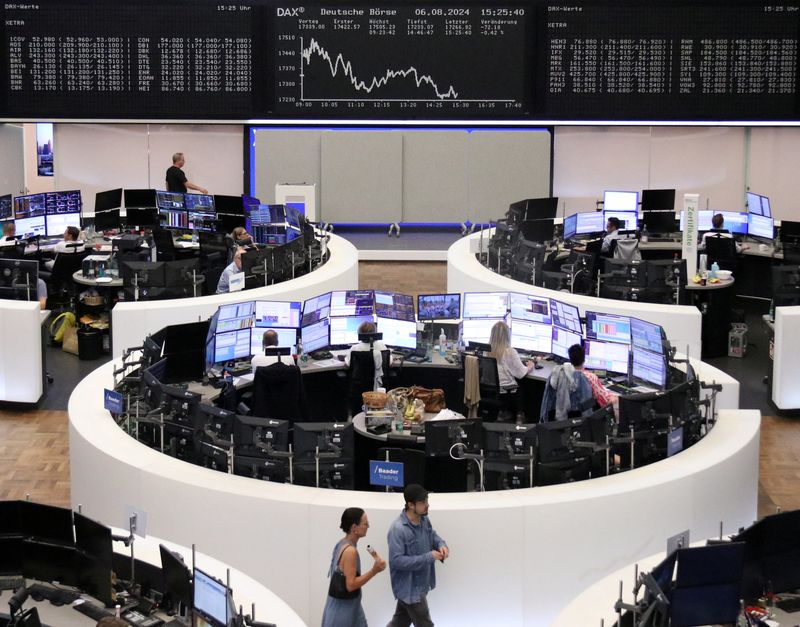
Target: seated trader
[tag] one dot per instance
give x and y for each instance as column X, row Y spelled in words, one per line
column 70, row 244
column 377, row 347
column 242, row 237
column 612, row 233
column 269, row 341
column 568, row 388
column 9, row 230
column 41, row 293
column 509, row 365
column 718, row 230
column 235, row 267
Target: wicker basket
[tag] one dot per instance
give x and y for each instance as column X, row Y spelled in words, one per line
column 93, row 301
column 374, row 400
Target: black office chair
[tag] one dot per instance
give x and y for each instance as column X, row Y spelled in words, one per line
column 61, row 290
column 13, row 251
column 361, row 377
column 278, row 393
column 493, row 397
column 413, row 461
column 723, row 251
column 165, row 246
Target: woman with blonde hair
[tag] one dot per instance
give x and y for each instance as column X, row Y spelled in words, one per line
column 509, row 365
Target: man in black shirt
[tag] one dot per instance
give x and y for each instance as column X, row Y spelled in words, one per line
column 176, row 179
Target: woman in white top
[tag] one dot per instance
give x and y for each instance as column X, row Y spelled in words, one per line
column 509, row 365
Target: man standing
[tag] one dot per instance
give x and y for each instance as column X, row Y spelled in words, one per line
column 176, row 178
column 414, row 547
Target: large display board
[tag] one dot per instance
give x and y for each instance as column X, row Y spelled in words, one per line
column 526, row 61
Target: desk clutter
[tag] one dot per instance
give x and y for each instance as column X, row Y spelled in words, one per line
column 54, row 554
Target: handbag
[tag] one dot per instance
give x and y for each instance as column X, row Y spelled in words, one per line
column 69, row 340
column 433, row 398
column 338, row 587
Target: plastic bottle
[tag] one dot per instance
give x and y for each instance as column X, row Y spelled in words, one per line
column 442, row 342
column 714, row 270
column 195, row 236
column 644, row 235
column 301, row 356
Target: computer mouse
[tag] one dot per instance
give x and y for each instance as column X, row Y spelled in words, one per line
column 538, row 366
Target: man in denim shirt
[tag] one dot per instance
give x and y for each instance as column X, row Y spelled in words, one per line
column 414, row 547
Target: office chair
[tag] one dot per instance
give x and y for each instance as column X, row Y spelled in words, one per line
column 361, row 377
column 413, row 461
column 165, row 246
column 791, row 253
column 626, row 249
column 278, row 393
column 493, row 397
column 723, row 251
column 61, row 283
column 13, row 251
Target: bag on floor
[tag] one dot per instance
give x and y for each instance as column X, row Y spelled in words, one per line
column 69, row 342
column 60, row 324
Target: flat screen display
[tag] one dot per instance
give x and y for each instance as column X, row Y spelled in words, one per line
column 563, row 339
column 277, row 314
column 170, row 200
column 439, row 306
column 352, row 303
column 648, row 366
column 139, row 198
column 232, row 345
column 199, row 202
column 646, row 335
column 608, row 327
column 571, row 226
column 6, row 207
column 394, row 305
column 566, row 316
column 760, row 226
column 231, row 205
column 28, row 227
column 210, row 597
column 317, row 308
column 532, row 336
column 110, row 199
column 63, row 202
column 401, row 333
column 315, row 335
column 628, row 220
column 606, row 356
column 286, row 337
column 58, row 223
column 620, row 201
column 478, row 329
column 703, row 220
column 758, row 205
column 485, row 304
column 658, row 200
column 590, row 222
column 344, row 329
column 235, row 316
column 30, row 206
column 735, row 221
column 530, row 308
column 174, row 218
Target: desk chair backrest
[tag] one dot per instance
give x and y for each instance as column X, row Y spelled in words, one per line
column 361, row 376
column 66, row 265
column 165, row 246
column 626, row 249
column 13, row 251
column 720, row 248
column 488, row 376
column 278, row 392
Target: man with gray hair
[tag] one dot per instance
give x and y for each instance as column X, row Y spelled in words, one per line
column 176, row 178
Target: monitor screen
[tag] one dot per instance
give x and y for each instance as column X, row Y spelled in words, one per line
column 628, row 220
column 530, row 308
column 532, row 336
column 170, row 200
column 286, row 337
column 608, row 327
column 105, row 220
column 344, row 329
column 485, row 304
column 261, row 215
column 735, row 222
column 759, row 226
column 6, row 207
column 566, row 316
column 393, row 305
column 570, row 226
column 562, row 340
column 400, row 333
column 703, row 220
column 140, row 198
column 315, row 336
column 620, row 201
column 439, row 306
column 352, row 303
column 758, row 205
column 57, row 223
column 46, row 523
column 659, row 221
column 173, row 218
column 30, row 206
column 28, row 227
column 649, row 367
column 317, row 308
column 277, row 314
column 141, row 216
column 177, row 578
column 231, row 205
column 202, row 220
column 766, row 209
column 658, row 200
column 110, row 199
column 63, row 202
column 647, row 335
column 606, row 356
column 232, row 345
column 199, row 202
column 478, row 329
column 590, row 222
column 235, row 316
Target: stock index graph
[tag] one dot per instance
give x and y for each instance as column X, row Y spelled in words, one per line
column 404, row 61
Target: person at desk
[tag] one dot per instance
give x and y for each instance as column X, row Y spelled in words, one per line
column 612, row 233
column 235, row 267
column 242, row 237
column 70, row 244
column 377, row 347
column 176, row 178
column 718, row 230
column 9, row 231
column 268, row 341
column 509, row 365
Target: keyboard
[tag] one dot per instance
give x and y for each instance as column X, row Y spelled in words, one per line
column 11, row 583
column 95, row 612
column 790, row 605
column 134, row 617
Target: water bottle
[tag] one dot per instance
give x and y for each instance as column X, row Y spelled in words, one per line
column 442, row 342
column 195, row 237
column 644, row 235
column 301, row 356
column 714, row 270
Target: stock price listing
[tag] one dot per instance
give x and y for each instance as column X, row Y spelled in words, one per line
column 400, row 61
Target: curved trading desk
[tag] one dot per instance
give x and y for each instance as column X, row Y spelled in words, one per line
column 133, row 321
column 682, row 323
column 521, row 555
column 22, row 353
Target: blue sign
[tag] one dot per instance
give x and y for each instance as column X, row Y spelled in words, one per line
column 386, row 473
column 674, row 441
column 112, row 401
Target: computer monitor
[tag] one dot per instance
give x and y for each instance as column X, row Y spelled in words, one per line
column 478, row 329
column 537, row 230
column 277, row 314
column 566, row 316
column 232, row 345
column 608, row 327
column 199, row 202
column 46, row 523
column 331, row 437
column 18, row 279
column 344, row 329
column 261, row 215
column 628, row 220
column 177, row 585
column 170, row 200
column 485, row 305
column 141, row 216
column 398, row 333
column 173, row 218
column 109, row 199
column 735, row 222
column 352, row 303
column 659, row 221
column 253, row 435
column 532, row 336
column 606, row 356
column 63, row 202
column 441, row 435
column 620, row 201
column 235, row 316
column 530, row 308
column 30, row 206
column 790, row 232
column 703, row 220
column 658, row 200
column 6, row 207
column 760, row 227
column 57, row 223
column 287, row 338
column 570, row 226
column 439, row 306
column 143, row 273
column 94, row 558
column 316, row 336
column 758, row 204
column 648, row 367
column 562, row 340
column 589, row 223
column 30, row 227
column 231, row 205
column 394, row 305
column 504, row 439
column 107, row 220
column 140, row 198
column 647, row 335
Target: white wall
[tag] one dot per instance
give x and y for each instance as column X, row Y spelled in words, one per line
column 12, row 170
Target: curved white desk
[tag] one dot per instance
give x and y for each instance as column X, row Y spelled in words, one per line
column 132, row 322
column 21, row 352
column 465, row 274
column 521, row 555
